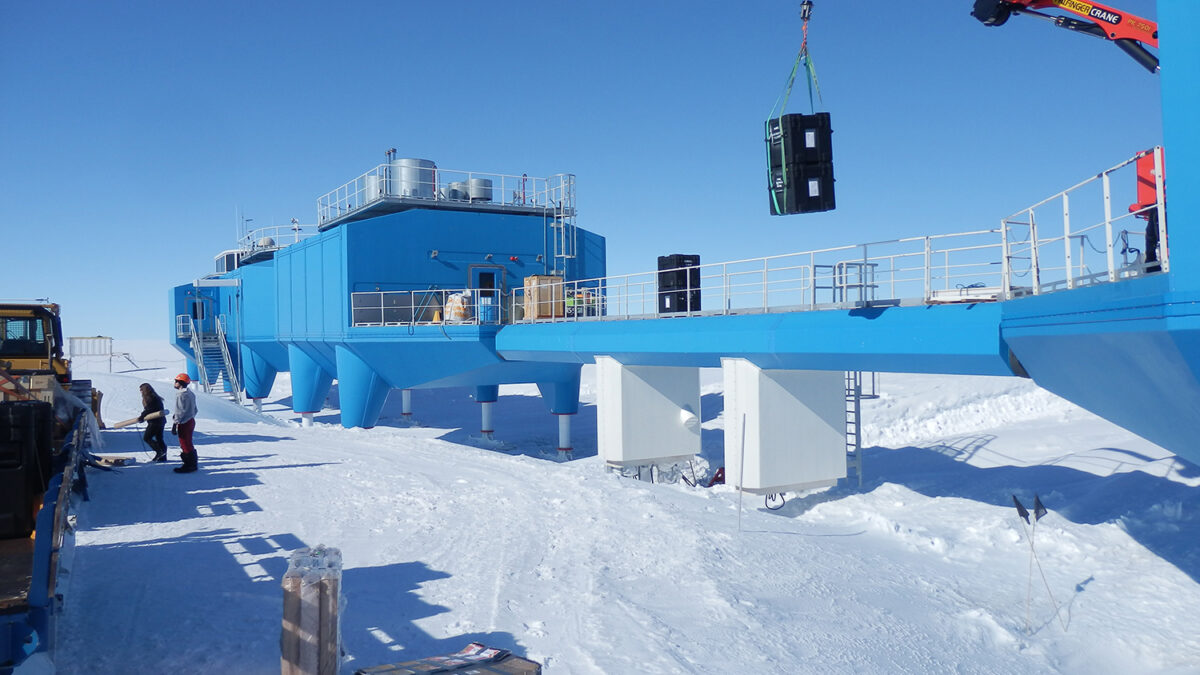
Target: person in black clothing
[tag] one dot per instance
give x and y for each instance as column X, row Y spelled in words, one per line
column 1152, row 264
column 153, row 436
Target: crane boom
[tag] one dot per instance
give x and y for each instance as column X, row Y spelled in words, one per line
column 1129, row 32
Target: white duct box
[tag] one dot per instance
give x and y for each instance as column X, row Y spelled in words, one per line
column 646, row 414
column 784, row 429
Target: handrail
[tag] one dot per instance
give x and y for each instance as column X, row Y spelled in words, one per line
column 274, row 237
column 198, row 352
column 449, row 186
column 1030, row 253
column 1047, row 231
column 230, row 373
column 429, row 306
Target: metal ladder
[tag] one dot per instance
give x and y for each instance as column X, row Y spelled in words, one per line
column 562, row 223
column 854, row 398
column 217, row 375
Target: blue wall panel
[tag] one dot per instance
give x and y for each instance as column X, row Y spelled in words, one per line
column 313, row 298
column 394, row 252
column 258, row 294
column 334, row 301
column 1180, row 56
column 283, row 306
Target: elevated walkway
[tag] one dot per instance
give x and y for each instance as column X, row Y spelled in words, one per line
column 1084, row 307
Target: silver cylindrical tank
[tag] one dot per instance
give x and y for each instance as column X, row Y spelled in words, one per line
column 480, row 189
column 458, row 191
column 371, row 189
column 412, row 178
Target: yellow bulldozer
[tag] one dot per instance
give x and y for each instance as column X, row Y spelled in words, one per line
column 32, row 365
column 47, row 435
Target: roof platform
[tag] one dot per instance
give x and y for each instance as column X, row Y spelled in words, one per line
column 404, row 184
column 391, row 204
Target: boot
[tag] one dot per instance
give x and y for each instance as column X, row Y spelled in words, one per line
column 189, row 463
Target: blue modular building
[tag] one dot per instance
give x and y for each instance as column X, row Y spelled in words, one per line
column 415, row 277
column 405, row 283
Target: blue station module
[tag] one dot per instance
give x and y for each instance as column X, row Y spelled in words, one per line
column 405, row 283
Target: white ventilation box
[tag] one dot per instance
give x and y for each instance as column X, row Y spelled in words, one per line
column 790, row 425
column 646, row 414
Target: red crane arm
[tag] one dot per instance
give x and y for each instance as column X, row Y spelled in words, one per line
column 1127, row 31
column 1117, row 25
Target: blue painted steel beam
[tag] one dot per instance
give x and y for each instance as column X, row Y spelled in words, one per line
column 954, row 339
column 1179, row 53
column 1128, row 352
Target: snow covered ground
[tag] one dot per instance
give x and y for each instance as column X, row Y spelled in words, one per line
column 926, row 568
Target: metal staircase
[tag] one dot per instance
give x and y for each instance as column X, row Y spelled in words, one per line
column 217, row 374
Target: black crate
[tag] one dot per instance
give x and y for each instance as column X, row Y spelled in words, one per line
column 672, row 274
column 12, row 454
column 677, row 260
column 799, row 139
column 678, row 283
column 15, row 421
column 26, row 439
column 802, row 188
column 16, row 504
column 678, row 301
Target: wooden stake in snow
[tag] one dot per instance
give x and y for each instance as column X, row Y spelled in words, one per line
column 310, row 643
column 741, row 472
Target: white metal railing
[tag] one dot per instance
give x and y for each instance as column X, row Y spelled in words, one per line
column 442, row 306
column 197, row 351
column 1029, row 254
column 274, row 237
column 232, row 385
column 89, row 346
column 1073, row 238
column 251, row 243
column 390, row 180
column 961, row 267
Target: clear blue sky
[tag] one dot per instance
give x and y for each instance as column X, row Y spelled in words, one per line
column 133, row 132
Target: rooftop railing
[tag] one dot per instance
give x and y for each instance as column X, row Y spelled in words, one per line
column 445, row 186
column 274, row 237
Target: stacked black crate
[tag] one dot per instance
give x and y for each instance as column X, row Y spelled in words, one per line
column 25, row 442
column 678, row 283
column 800, row 164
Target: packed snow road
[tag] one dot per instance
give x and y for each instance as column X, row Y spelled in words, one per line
column 926, row 568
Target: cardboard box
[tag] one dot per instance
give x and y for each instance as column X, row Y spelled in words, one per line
column 473, row 659
column 543, row 296
column 310, row 641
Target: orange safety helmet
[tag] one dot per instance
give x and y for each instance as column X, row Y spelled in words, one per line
column 183, row 377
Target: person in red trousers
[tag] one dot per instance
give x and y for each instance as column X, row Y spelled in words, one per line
column 185, row 423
